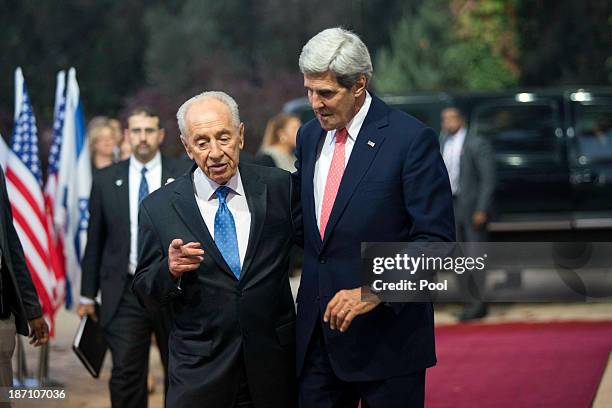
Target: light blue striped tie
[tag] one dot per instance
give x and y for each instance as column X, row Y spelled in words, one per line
column 225, row 232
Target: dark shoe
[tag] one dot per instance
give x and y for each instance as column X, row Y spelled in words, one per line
column 473, row 312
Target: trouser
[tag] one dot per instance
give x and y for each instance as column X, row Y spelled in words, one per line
column 472, row 284
column 319, row 387
column 7, row 347
column 128, row 336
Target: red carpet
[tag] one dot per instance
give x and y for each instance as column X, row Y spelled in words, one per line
column 518, row 365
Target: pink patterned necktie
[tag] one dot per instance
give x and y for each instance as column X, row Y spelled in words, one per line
column 334, row 176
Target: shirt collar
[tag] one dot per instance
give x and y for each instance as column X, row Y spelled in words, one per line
column 205, row 188
column 458, row 135
column 354, row 125
column 153, row 164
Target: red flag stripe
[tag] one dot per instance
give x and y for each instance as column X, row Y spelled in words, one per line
column 18, row 184
column 40, row 265
column 43, row 296
column 27, row 230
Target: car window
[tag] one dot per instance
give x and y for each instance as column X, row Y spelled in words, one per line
column 429, row 114
column 593, row 132
column 524, row 128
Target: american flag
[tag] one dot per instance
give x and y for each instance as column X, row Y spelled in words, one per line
column 56, row 242
column 24, row 184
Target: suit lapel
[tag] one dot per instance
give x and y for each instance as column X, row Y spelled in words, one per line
column 121, row 186
column 184, row 203
column 308, row 170
column 365, row 149
column 168, row 173
column 256, row 197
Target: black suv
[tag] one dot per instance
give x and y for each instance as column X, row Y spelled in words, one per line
column 553, row 151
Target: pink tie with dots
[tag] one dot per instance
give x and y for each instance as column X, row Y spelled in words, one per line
column 334, row 176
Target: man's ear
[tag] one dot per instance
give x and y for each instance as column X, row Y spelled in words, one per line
column 241, row 133
column 360, row 86
column 187, row 149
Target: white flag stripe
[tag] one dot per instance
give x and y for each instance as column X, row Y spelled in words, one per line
column 34, row 258
column 28, row 180
column 20, row 203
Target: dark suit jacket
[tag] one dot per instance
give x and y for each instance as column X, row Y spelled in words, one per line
column 221, row 323
column 476, row 177
column 106, row 260
column 18, row 290
column 394, row 191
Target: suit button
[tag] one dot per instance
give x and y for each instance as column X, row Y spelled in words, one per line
column 322, row 259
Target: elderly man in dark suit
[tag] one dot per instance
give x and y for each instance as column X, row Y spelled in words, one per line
column 19, row 306
column 470, row 163
column 368, row 173
column 215, row 245
column 110, row 258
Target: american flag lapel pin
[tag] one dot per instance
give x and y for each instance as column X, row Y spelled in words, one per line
column 118, row 182
column 371, row 143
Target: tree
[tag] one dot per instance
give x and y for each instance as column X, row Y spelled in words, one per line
column 565, row 42
column 448, row 45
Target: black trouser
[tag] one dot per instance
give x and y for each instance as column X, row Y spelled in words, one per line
column 128, row 335
column 319, row 387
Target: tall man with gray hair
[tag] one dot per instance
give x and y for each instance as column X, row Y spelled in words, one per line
column 215, row 245
column 368, row 173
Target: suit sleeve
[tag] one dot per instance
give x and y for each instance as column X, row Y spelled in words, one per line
column 153, row 283
column 485, row 164
column 29, row 297
column 426, row 190
column 96, row 238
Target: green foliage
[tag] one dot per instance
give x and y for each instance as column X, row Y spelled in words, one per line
column 415, row 60
column 439, row 47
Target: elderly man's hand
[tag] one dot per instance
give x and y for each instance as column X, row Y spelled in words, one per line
column 184, row 257
column 39, row 331
column 346, row 305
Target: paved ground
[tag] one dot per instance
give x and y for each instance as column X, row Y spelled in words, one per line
column 83, row 391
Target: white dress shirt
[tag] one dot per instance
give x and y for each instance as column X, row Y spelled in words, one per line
column 208, row 203
column 326, row 153
column 154, row 180
column 452, row 157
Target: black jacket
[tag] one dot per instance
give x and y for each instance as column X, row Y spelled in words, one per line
column 106, row 260
column 220, row 322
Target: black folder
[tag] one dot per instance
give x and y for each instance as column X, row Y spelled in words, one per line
column 90, row 346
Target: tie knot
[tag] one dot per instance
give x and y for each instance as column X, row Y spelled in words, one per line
column 341, row 135
column 143, row 171
column 222, row 193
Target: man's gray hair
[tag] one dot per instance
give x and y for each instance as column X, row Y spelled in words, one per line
column 339, row 51
column 218, row 95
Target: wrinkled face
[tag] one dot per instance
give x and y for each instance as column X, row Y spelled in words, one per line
column 105, row 142
column 213, row 141
column 145, row 136
column 333, row 104
column 451, row 120
column 289, row 132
